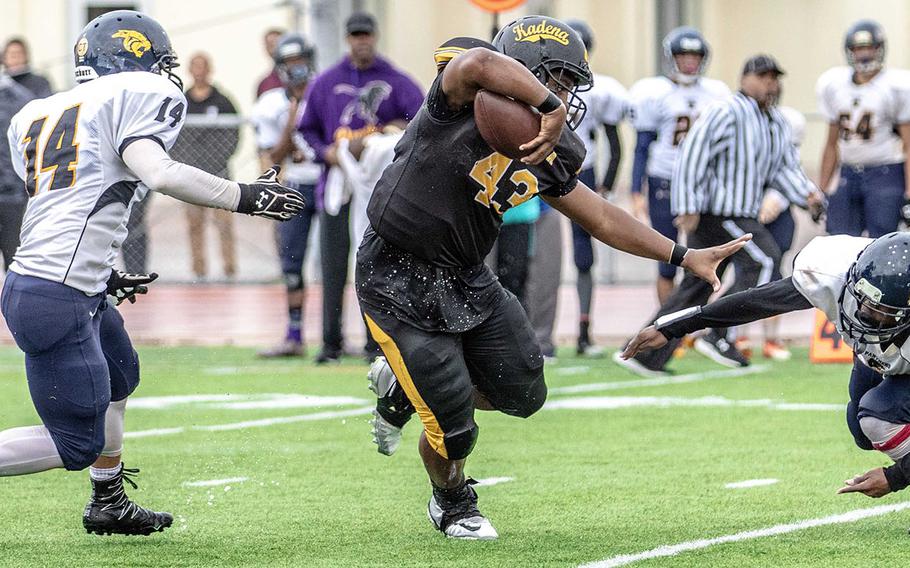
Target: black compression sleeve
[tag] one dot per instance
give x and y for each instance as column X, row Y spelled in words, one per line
column 774, row 298
column 898, row 474
column 615, row 156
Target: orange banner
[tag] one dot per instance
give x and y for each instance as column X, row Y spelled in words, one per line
column 497, row 5
column 827, row 345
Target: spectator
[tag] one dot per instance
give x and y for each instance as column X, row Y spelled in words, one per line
column 13, row 197
column 208, row 143
column 359, row 95
column 272, row 80
column 275, row 117
column 16, row 62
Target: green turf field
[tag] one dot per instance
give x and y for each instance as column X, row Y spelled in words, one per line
column 637, row 467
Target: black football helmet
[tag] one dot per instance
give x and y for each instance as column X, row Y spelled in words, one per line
column 682, row 40
column 585, row 31
column 865, row 33
column 121, row 41
column 550, row 49
column 875, row 301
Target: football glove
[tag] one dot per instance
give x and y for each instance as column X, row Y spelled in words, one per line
column 122, row 286
column 267, row 198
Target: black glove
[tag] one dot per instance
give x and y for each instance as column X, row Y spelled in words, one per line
column 123, row 286
column 268, row 198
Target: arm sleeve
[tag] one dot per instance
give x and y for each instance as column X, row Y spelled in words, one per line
column 310, row 126
column 774, row 298
column 159, row 172
column 615, row 155
column 898, row 474
column 709, row 137
column 642, row 144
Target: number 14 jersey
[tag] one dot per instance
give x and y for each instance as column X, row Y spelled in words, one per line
column 67, row 148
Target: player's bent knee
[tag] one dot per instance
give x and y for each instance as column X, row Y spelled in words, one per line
column 79, row 452
column 859, row 437
column 529, row 400
column 293, row 281
column 459, row 444
column 887, row 437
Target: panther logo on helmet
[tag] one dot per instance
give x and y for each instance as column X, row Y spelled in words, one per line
column 134, row 42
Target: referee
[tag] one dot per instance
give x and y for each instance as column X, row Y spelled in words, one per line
column 738, row 147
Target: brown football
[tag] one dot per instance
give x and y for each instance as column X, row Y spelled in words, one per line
column 504, row 123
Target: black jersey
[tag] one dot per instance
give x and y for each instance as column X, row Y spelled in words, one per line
column 443, row 197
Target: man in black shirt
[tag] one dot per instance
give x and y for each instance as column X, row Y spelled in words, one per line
column 453, row 338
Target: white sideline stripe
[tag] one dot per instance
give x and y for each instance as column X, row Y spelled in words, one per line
column 615, row 402
column 751, row 483
column 572, row 370
column 214, row 482
column 673, row 550
column 243, row 401
column 251, row 423
column 660, row 381
column 493, row 481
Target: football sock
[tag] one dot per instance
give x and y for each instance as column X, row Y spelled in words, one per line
column 295, row 319
column 585, row 286
column 113, row 428
column 583, row 331
column 104, row 473
column 28, row 449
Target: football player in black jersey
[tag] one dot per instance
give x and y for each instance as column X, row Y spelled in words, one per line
column 454, row 340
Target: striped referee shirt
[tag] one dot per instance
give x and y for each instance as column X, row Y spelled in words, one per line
column 733, row 152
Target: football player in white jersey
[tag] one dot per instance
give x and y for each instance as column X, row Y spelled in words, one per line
column 862, row 285
column 868, row 113
column 274, row 117
column 607, row 101
column 663, row 109
column 87, row 155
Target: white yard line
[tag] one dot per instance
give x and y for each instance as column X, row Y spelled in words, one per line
column 674, row 549
column 572, row 370
column 749, row 483
column 251, row 423
column 617, row 402
column 214, row 482
column 660, row 381
column 242, row 401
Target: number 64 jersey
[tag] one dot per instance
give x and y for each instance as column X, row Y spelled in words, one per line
column 67, row 148
column 867, row 115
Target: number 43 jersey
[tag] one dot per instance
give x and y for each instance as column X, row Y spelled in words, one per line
column 866, row 115
column 67, row 148
column 443, row 197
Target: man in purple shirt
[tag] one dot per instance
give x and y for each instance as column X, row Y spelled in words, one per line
column 358, row 96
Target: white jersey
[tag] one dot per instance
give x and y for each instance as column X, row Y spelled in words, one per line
column 670, row 109
column 797, row 122
column 607, row 102
column 866, row 114
column 68, row 148
column 820, row 273
column 269, row 117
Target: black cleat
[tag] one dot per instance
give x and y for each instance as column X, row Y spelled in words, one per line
column 715, row 347
column 110, row 511
column 454, row 512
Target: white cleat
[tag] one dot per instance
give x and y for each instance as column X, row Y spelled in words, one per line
column 391, row 402
column 473, row 527
column 632, row 364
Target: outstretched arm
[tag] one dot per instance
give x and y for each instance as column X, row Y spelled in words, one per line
column 775, row 298
column 613, row 226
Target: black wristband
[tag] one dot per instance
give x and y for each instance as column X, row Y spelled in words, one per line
column 897, row 474
column 247, row 203
column 678, row 254
column 549, row 104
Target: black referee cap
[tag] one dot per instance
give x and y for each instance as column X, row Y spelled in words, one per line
column 761, row 64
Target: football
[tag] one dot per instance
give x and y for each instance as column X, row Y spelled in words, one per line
column 504, row 123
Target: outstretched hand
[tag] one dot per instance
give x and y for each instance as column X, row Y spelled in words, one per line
column 647, row 339
column 266, row 197
column 123, row 286
column 703, row 262
column 873, row 484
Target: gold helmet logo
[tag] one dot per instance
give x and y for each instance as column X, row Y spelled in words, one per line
column 82, row 49
column 543, row 30
column 134, row 42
